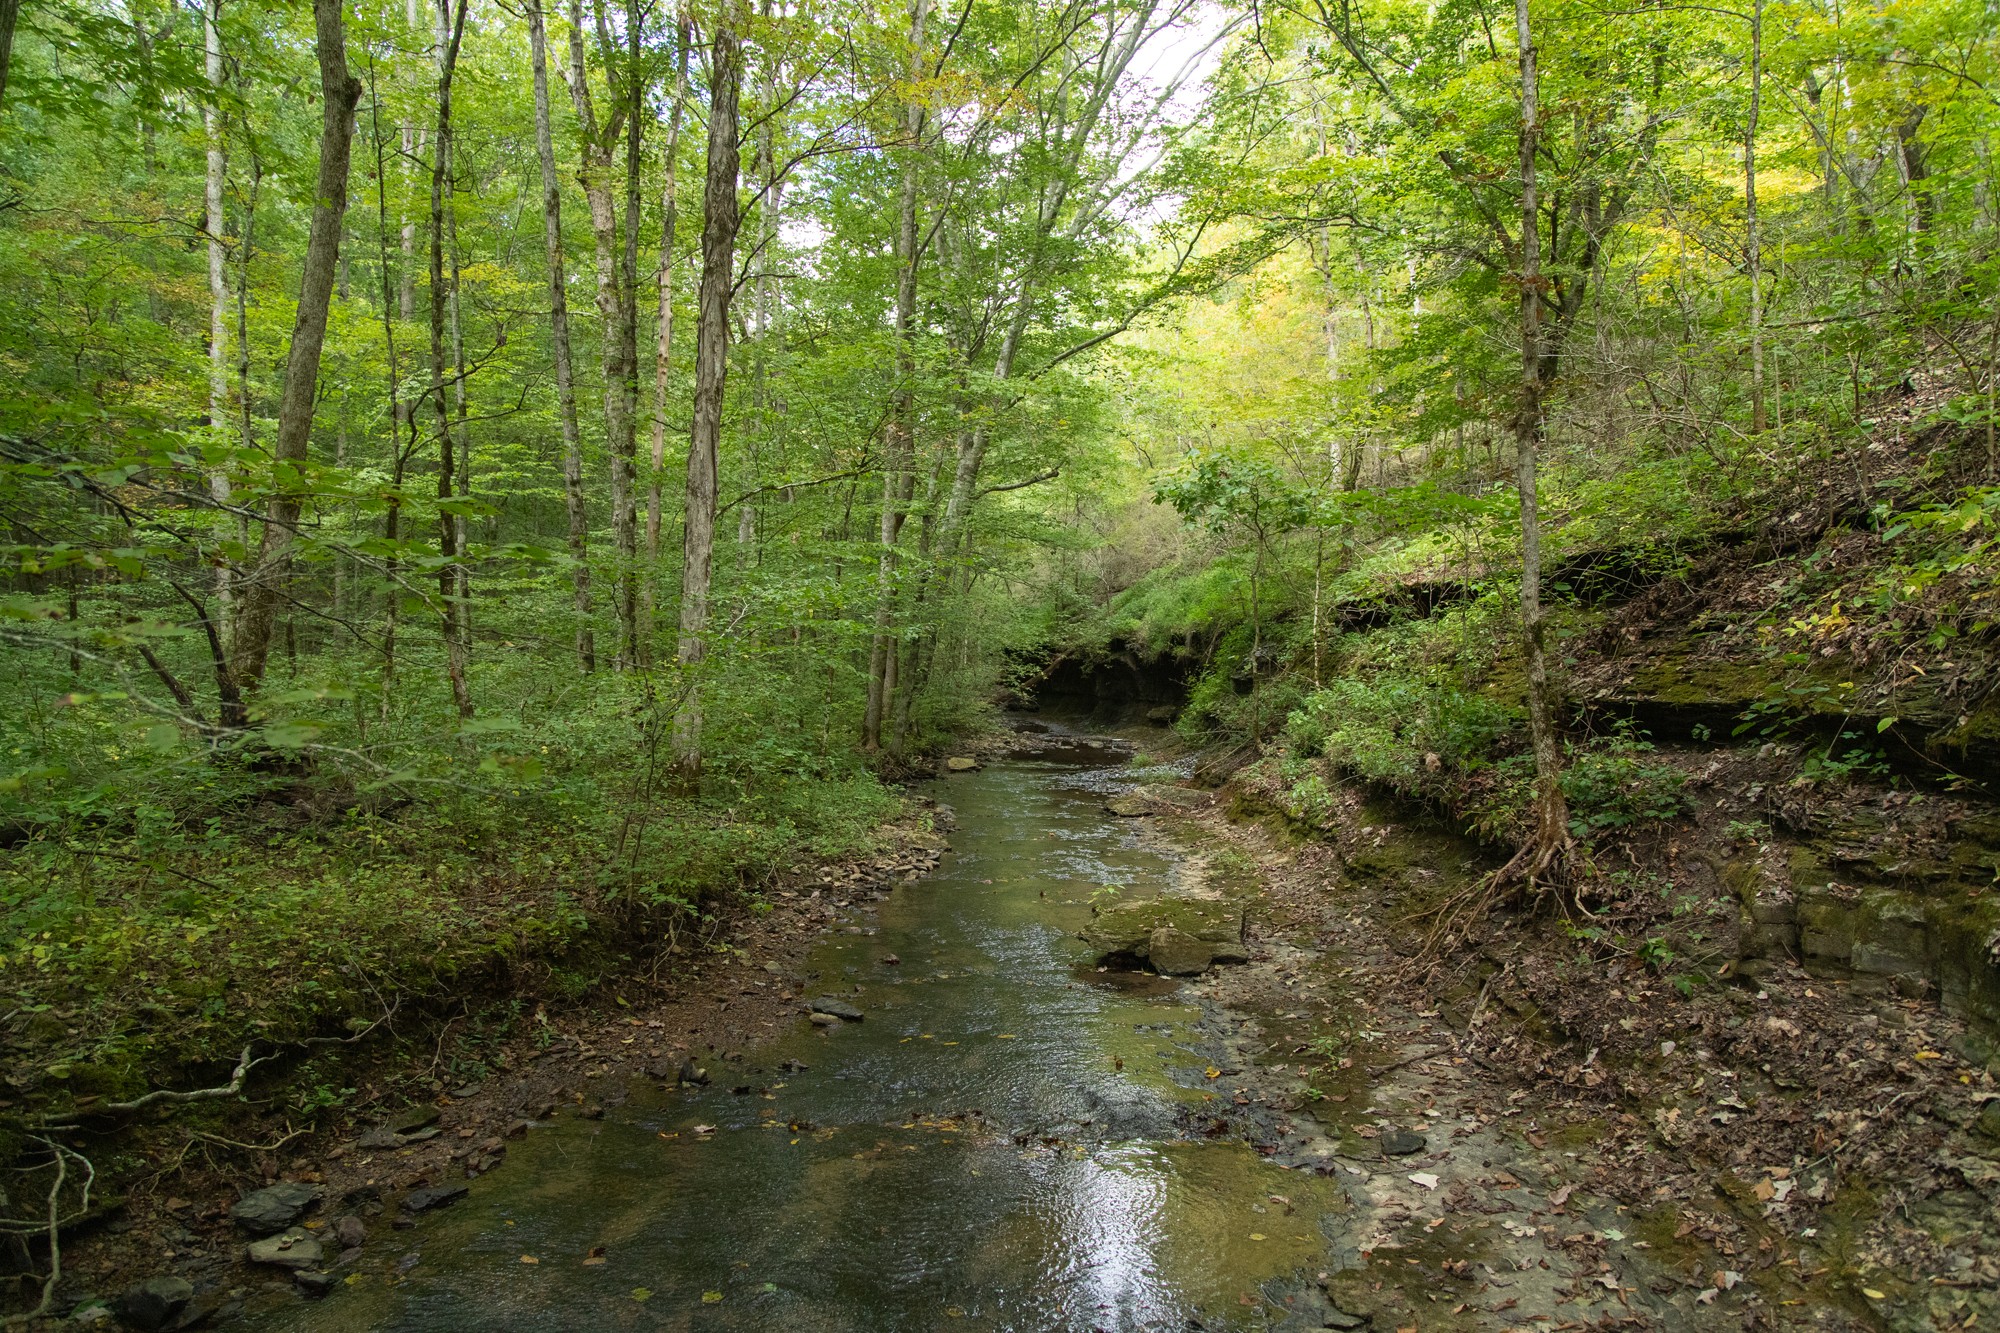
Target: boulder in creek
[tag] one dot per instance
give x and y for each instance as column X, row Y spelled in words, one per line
column 270, row 1210
column 827, row 1004
column 1175, row 953
column 959, row 763
column 294, row 1250
column 154, row 1303
column 1194, row 933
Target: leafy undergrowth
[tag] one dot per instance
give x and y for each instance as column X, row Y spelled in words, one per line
column 129, row 957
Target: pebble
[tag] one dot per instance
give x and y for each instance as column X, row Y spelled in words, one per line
column 270, row 1210
column 439, row 1196
column 1401, row 1142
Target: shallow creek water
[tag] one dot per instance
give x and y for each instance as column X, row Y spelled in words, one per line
column 997, row 1145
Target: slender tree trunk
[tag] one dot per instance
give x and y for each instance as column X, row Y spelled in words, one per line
column 449, row 619
column 616, row 301
column 258, row 604
column 572, row 437
column 663, row 358
column 721, row 217
column 246, row 426
column 636, row 654
column 1549, row 843
column 406, row 288
column 898, row 483
column 218, row 294
column 10, row 10
column 898, row 443
column 392, row 519
column 1754, row 240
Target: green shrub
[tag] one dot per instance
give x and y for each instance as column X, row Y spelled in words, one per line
column 1388, row 730
column 1609, row 784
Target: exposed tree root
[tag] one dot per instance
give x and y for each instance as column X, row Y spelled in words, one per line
column 52, row 1227
column 1546, row 868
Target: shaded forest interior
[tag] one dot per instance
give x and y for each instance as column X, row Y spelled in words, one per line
column 490, row 489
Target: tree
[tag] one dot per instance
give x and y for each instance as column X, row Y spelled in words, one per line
column 452, row 593
column 574, row 503
column 1549, row 844
column 263, row 586
column 721, row 217
column 617, row 291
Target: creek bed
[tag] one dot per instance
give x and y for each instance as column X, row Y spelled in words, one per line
column 1009, row 1139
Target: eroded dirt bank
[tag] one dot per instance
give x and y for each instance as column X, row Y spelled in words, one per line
column 1537, row 1135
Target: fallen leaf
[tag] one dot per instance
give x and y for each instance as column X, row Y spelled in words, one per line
column 529, row 1259
column 596, row 1256
column 1256, row 1235
column 1873, row 1294
column 1561, row 1196
column 642, row 1293
column 711, row 1298
column 1424, row 1178
column 704, row 1129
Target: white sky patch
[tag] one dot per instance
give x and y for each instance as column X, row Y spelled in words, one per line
column 1185, row 54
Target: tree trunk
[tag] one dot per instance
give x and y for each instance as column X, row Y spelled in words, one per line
column 572, row 437
column 450, row 622
column 218, row 292
column 664, row 354
column 1753, row 247
column 246, row 432
column 721, row 216
column 392, row 529
column 635, row 653
column 616, row 303
column 1548, row 845
column 258, row 604
column 898, row 439
column 10, row 10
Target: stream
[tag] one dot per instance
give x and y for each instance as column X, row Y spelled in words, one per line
column 1006, row 1141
